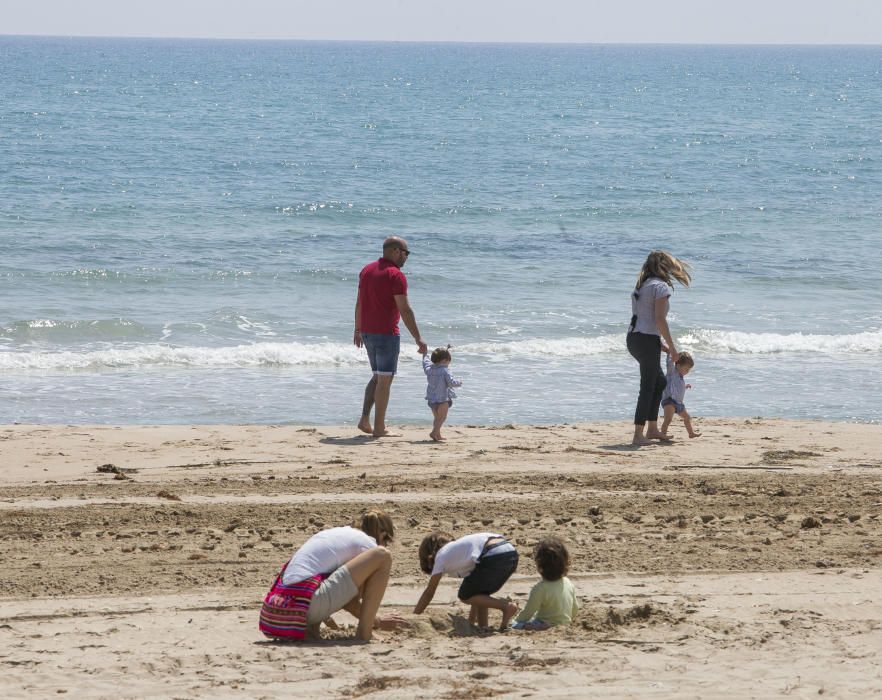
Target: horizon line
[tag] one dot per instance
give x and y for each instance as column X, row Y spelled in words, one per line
column 440, row 41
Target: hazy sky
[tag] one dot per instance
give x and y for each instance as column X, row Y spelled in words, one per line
column 589, row 21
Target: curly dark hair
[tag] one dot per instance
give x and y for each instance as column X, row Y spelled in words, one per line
column 441, row 354
column 429, row 548
column 552, row 558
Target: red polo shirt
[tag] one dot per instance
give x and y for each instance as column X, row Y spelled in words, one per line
column 378, row 284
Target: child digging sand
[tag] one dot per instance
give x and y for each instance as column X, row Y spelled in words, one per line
column 553, row 600
column 485, row 561
column 439, row 392
column 673, row 398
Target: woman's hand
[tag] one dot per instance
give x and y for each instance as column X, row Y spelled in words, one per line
column 391, row 622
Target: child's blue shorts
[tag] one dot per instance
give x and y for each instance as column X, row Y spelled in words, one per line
column 678, row 407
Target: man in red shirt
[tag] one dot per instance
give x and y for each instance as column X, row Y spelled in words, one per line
column 382, row 301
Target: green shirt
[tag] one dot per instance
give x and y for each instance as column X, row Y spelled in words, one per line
column 553, row 602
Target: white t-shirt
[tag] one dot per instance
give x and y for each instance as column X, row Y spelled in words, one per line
column 326, row 551
column 458, row 558
column 643, row 307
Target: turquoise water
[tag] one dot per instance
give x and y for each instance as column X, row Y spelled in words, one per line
column 182, row 224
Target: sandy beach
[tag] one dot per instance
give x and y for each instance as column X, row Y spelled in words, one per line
column 746, row 563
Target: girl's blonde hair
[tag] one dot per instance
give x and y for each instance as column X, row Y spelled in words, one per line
column 429, row 548
column 376, row 523
column 661, row 264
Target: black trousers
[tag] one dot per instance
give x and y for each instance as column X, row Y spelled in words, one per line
column 646, row 349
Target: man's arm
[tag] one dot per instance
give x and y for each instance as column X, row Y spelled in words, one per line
column 356, row 335
column 409, row 320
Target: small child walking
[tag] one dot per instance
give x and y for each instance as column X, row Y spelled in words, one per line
column 553, row 600
column 484, row 561
column 439, row 392
column 674, row 395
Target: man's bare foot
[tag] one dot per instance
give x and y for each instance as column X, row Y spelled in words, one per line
column 384, row 433
column 364, row 425
column 695, row 434
column 510, row 611
column 642, row 442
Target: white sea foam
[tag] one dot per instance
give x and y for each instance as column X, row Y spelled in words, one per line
column 706, row 341
column 541, row 347
column 156, row 355
column 736, row 342
column 713, row 342
column 294, row 354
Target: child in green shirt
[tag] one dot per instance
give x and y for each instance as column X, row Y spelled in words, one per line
column 553, row 600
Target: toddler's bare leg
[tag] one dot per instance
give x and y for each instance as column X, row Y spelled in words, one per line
column 687, row 421
column 669, row 415
column 434, row 418
column 440, row 412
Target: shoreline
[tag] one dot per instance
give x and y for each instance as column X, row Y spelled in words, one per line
column 743, row 563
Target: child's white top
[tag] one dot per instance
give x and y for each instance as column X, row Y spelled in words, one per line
column 554, row 602
column 326, row 551
column 675, row 388
column 440, row 382
column 458, row 558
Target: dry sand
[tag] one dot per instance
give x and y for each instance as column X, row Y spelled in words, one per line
column 745, row 563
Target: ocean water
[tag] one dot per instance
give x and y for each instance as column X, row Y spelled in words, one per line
column 182, row 224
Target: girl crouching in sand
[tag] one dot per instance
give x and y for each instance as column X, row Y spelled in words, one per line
column 484, row 561
column 553, row 600
column 343, row 568
column 439, row 392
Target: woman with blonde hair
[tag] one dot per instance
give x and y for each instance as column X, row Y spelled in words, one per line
column 649, row 334
column 342, row 568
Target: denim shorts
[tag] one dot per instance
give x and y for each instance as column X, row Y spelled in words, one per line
column 489, row 575
column 678, row 407
column 382, row 351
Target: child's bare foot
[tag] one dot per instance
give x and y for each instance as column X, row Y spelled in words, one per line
column 509, row 612
column 364, row 425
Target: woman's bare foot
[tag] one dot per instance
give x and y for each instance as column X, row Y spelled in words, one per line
column 656, row 435
column 436, row 437
column 509, row 612
column 364, row 425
